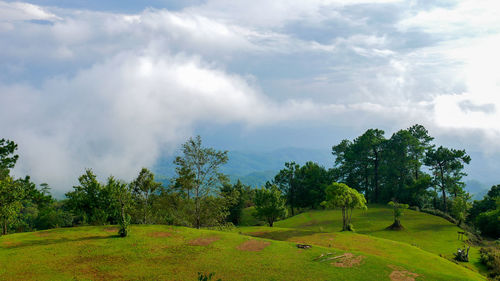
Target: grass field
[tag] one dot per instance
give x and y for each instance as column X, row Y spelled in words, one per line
column 178, row 253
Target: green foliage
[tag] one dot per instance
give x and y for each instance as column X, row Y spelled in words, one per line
column 398, row 209
column 490, row 257
column 286, row 181
column 206, row 277
column 198, row 170
column 143, row 189
column 11, row 195
column 447, row 166
column 459, row 207
column 339, row 195
column 270, row 204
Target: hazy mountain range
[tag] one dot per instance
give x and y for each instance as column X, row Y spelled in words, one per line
column 255, row 168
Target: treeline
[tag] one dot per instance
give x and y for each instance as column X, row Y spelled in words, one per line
column 407, row 167
column 199, row 196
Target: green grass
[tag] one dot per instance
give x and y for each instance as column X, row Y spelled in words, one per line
column 430, row 233
column 165, row 253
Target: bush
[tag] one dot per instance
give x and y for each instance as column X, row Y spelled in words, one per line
column 124, row 226
column 439, row 213
column 415, row 208
column 490, row 257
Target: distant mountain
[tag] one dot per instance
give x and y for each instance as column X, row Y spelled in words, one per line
column 254, row 168
column 477, row 189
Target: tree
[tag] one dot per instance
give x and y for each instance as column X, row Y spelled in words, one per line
column 459, row 207
column 124, row 198
column 7, row 157
column 269, row 204
column 398, row 213
column 11, row 195
column 143, row 187
column 312, row 180
column 422, row 145
column 85, row 200
column 235, row 200
column 286, row 180
column 339, row 195
column 203, row 165
column 447, row 166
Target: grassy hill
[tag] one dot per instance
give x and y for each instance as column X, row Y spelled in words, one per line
column 177, row 253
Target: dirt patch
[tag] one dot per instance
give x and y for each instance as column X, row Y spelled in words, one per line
column 10, row 243
column 111, row 229
column 258, row 233
column 203, row 241
column 347, row 260
column 160, row 234
column 253, row 245
column 400, row 274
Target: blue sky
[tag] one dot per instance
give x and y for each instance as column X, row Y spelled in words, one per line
column 113, row 85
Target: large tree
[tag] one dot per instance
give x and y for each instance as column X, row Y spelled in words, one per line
column 339, row 195
column 447, row 167
column 143, row 187
column 269, row 204
column 286, row 180
column 203, row 165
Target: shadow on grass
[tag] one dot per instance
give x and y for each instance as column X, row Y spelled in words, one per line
column 281, row 235
column 44, row 242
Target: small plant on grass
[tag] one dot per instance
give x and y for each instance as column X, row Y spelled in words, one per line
column 339, row 195
column 206, row 277
column 398, row 213
column 269, row 204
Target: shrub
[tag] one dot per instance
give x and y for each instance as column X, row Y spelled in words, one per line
column 439, row 213
column 490, row 257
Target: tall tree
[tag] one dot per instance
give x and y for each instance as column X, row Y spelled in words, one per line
column 85, row 201
column 204, row 163
column 11, row 196
column 286, row 180
column 447, row 167
column 269, row 204
column 143, row 187
column 420, row 146
column 339, row 195
column 8, row 158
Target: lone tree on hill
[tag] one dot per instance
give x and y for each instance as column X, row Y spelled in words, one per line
column 398, row 213
column 269, row 204
column 339, row 195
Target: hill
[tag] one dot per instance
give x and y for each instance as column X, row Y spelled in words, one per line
column 177, row 253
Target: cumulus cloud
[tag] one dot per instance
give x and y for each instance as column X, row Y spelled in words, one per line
column 113, row 91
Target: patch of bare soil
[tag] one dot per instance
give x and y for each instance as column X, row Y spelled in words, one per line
column 160, row 234
column 253, row 245
column 111, row 229
column 258, row 233
column 203, row 241
column 400, row 274
column 347, row 260
column 10, row 243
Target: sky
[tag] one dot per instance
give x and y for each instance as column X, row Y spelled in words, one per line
column 115, row 85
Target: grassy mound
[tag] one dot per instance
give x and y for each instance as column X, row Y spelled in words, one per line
column 430, row 233
column 177, row 253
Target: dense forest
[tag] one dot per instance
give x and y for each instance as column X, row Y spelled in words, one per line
column 407, row 168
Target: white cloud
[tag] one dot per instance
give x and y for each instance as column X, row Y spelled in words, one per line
column 18, row 11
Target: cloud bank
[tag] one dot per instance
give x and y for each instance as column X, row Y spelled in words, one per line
column 113, row 91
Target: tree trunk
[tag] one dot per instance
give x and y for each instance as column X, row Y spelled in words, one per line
column 375, row 162
column 443, row 189
column 344, row 220
column 4, row 227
